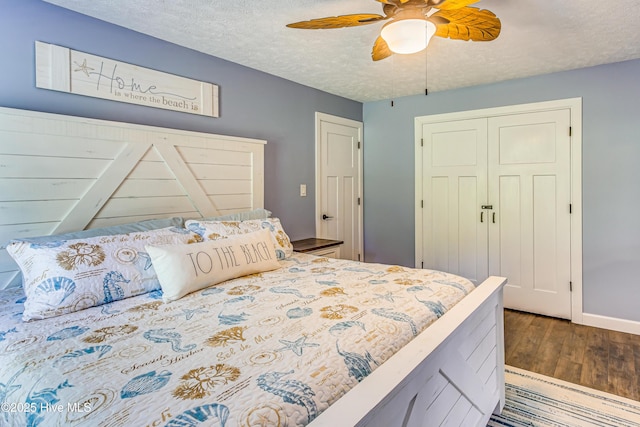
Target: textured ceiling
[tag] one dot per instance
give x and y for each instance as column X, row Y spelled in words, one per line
column 537, row 37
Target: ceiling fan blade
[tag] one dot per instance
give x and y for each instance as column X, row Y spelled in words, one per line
column 338, row 21
column 468, row 23
column 438, row 20
column 450, row 4
column 380, row 50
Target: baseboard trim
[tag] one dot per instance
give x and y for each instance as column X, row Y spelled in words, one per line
column 612, row 323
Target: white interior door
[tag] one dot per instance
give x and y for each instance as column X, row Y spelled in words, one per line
column 339, row 183
column 534, row 189
column 529, row 186
column 454, row 190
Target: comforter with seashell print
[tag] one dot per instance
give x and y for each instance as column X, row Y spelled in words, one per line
column 274, row 348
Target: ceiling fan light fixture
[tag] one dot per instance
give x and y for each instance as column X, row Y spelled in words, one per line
column 407, row 36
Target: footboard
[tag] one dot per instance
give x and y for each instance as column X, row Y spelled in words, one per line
column 452, row 373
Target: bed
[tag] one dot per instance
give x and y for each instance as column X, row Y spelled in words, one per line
column 301, row 340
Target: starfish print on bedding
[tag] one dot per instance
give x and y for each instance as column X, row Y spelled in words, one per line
column 8, row 389
column 297, row 345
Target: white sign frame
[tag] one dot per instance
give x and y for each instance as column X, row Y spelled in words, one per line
column 67, row 70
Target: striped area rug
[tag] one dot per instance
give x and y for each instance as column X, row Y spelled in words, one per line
column 536, row 400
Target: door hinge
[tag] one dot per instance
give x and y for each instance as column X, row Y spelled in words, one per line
column 421, row 142
column 570, row 130
column 422, row 203
column 570, row 207
column 570, row 286
column 358, row 257
column 358, row 145
column 358, row 201
column 422, row 264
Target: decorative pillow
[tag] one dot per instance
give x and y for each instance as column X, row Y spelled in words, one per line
column 213, row 230
column 183, row 269
column 240, row 216
column 64, row 276
column 132, row 227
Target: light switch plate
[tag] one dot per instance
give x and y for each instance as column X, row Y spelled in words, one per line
column 303, row 190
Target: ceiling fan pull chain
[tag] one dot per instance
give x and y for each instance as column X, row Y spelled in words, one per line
column 426, row 72
column 393, row 81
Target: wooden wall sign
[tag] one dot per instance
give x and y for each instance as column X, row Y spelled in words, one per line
column 66, row 70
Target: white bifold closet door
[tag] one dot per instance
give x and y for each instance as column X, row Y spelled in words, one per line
column 497, row 202
column 455, row 186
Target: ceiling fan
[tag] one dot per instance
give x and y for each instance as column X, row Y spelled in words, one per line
column 413, row 22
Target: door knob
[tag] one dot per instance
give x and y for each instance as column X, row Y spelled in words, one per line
column 326, row 217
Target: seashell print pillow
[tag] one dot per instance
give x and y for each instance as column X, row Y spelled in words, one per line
column 64, row 276
column 132, row 227
column 213, row 230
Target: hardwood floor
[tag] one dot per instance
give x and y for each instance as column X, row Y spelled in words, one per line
column 598, row 358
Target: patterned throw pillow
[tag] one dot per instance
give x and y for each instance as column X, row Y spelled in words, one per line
column 213, row 230
column 183, row 269
column 64, row 276
column 132, row 227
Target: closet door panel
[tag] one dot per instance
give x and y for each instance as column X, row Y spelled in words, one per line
column 468, row 231
column 529, row 178
column 439, row 250
column 545, row 234
column 509, row 228
column 455, row 186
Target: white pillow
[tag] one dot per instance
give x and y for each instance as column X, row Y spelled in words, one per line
column 213, row 230
column 183, row 269
column 64, row 276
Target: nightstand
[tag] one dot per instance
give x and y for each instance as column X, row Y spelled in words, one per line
column 320, row 247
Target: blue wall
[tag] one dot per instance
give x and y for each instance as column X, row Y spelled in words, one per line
column 253, row 104
column 611, row 173
column 258, row 105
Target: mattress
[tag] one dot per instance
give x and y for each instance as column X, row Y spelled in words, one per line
column 274, row 348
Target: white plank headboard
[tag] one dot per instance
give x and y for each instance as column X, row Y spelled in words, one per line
column 62, row 173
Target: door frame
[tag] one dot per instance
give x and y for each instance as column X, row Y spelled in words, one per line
column 574, row 105
column 324, row 117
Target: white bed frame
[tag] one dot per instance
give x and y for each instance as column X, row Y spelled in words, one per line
column 61, row 173
column 452, row 374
